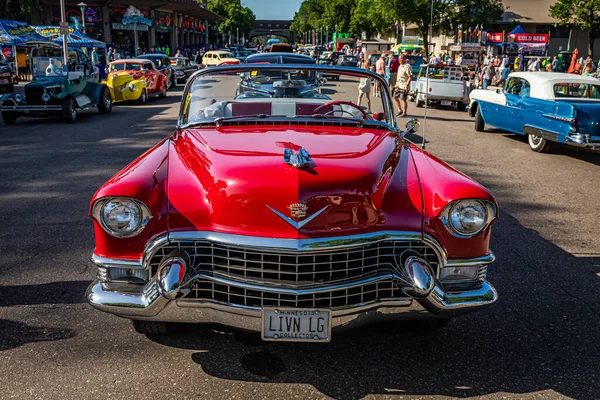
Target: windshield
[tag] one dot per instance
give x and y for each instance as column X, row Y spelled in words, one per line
column 48, row 66
column 256, row 92
column 577, row 90
column 157, row 60
column 126, row 67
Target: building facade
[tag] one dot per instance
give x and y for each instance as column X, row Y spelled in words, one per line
column 172, row 23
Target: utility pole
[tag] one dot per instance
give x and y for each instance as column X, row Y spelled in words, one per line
column 65, row 31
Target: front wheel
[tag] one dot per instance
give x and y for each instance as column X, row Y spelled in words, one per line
column 151, row 328
column 69, row 112
column 105, row 101
column 143, row 97
column 420, row 103
column 538, row 143
column 9, row 117
column 479, row 124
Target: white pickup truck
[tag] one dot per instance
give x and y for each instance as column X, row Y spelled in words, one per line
column 447, row 85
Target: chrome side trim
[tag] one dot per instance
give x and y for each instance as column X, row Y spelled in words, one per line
column 472, row 262
column 115, row 262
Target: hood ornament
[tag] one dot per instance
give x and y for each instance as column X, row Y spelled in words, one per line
column 299, row 159
column 297, row 210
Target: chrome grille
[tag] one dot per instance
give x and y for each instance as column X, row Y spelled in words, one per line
column 291, row 268
column 341, row 298
column 33, row 95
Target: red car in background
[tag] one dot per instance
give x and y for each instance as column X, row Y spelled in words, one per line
column 290, row 212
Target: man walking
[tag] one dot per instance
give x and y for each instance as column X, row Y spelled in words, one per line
column 402, row 86
column 488, row 74
column 380, row 69
column 94, row 55
column 394, row 65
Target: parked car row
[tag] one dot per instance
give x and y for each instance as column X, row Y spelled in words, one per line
column 61, row 89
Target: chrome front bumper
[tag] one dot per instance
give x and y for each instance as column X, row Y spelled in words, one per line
column 163, row 297
column 146, row 303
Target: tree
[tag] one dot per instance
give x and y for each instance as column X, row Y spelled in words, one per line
column 339, row 13
column 469, row 13
column 370, row 17
column 309, row 16
column 584, row 14
column 236, row 16
column 419, row 13
column 13, row 9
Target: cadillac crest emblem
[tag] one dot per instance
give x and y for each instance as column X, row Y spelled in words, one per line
column 298, row 210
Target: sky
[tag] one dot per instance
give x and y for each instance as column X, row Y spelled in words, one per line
column 273, row 9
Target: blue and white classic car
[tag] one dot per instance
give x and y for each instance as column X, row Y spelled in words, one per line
column 547, row 107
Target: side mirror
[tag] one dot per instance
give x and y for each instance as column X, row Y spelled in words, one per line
column 412, row 126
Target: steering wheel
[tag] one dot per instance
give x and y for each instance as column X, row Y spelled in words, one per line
column 340, row 102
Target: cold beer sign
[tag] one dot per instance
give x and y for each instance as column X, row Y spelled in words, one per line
column 538, row 38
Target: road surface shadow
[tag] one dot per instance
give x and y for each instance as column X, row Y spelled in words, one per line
column 71, row 292
column 542, row 335
column 15, row 334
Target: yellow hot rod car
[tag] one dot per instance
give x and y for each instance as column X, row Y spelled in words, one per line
column 135, row 80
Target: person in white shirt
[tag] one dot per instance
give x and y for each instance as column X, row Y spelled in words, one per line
column 459, row 60
column 435, row 60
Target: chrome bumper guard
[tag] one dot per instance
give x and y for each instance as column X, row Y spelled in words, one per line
column 163, row 298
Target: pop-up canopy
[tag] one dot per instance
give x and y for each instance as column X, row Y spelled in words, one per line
column 17, row 33
column 75, row 38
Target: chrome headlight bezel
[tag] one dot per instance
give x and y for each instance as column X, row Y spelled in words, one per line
column 446, row 215
column 46, row 97
column 144, row 212
column 131, row 87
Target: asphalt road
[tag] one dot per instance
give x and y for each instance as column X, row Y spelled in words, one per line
column 541, row 340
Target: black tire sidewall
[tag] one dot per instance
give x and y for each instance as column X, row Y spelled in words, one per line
column 68, row 106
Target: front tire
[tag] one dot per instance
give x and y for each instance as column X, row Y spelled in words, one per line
column 479, row 123
column 69, row 112
column 420, row 103
column 538, row 143
column 143, row 97
column 105, row 101
column 150, row 328
column 9, row 117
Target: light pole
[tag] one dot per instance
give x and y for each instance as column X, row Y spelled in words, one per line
column 237, row 35
column 82, row 7
column 65, row 31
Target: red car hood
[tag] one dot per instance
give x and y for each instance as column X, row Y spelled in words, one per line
column 235, row 180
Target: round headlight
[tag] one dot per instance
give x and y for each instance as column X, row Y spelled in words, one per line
column 18, row 98
column 468, row 217
column 132, row 87
column 45, row 97
column 121, row 217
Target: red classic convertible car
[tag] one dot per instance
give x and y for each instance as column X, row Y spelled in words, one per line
column 293, row 212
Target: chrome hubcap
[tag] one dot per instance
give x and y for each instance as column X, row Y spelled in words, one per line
column 535, row 140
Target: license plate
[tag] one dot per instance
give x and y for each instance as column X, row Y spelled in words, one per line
column 296, row 325
column 446, row 103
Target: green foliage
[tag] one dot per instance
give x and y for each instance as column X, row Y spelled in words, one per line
column 12, row 9
column 236, row 16
column 370, row 17
column 309, row 16
column 471, row 13
column 584, row 14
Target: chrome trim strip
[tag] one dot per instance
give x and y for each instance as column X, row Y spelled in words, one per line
column 298, row 292
column 115, row 262
column 472, row 262
column 327, row 243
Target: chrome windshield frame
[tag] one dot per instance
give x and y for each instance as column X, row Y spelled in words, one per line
column 320, row 69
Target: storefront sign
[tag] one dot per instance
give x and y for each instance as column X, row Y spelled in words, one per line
column 414, row 40
column 494, row 37
column 540, row 38
column 140, row 20
column 122, row 27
